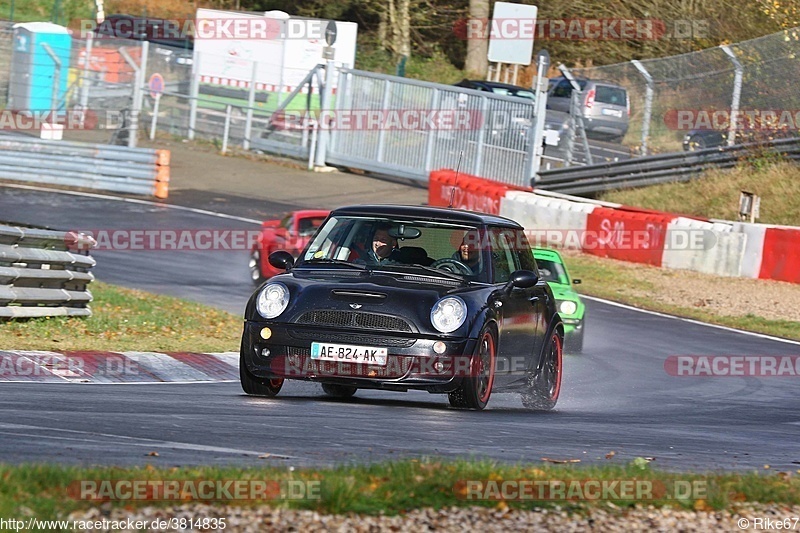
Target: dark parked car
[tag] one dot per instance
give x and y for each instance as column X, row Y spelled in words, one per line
column 606, row 106
column 399, row 297
column 556, row 123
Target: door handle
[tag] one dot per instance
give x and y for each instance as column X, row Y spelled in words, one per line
column 533, row 299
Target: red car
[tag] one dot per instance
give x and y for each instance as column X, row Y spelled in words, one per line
column 291, row 233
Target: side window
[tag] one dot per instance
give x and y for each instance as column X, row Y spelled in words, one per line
column 563, row 89
column 523, row 250
column 286, row 222
column 503, row 257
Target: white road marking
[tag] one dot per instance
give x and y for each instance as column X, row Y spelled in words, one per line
column 133, row 441
column 692, row 321
column 131, row 201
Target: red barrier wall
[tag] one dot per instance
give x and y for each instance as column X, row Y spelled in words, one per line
column 471, row 193
column 780, row 258
column 636, row 236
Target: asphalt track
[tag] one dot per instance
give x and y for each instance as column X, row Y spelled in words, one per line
column 616, row 397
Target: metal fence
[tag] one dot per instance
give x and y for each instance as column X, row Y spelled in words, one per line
column 40, row 276
column 729, row 88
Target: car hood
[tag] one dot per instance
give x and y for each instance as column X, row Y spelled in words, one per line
column 562, row 291
column 407, row 295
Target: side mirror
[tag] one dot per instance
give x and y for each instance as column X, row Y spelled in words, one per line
column 281, row 259
column 522, row 279
column 576, row 282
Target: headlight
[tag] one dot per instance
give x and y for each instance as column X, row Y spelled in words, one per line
column 272, row 300
column 567, row 307
column 448, row 314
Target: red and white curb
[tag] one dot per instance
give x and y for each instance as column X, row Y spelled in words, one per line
column 117, row 367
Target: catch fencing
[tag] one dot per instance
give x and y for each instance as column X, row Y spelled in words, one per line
column 43, row 273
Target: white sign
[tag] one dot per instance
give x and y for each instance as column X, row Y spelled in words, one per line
column 511, row 33
column 286, row 49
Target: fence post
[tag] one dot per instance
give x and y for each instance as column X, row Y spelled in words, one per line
column 536, row 134
column 576, row 112
column 227, row 130
column 432, row 132
column 325, row 106
column 476, row 171
column 84, row 101
column 737, row 93
column 251, row 102
column 56, row 81
column 133, row 127
column 194, row 91
column 384, row 108
column 648, row 103
column 154, row 118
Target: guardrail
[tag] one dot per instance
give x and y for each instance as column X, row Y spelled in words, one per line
column 142, row 171
column 654, row 169
column 40, row 276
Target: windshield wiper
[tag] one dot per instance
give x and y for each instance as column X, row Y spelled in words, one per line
column 333, row 262
column 443, row 273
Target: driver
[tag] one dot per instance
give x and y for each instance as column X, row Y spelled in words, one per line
column 383, row 249
column 468, row 252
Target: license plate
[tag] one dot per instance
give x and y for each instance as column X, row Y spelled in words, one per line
column 612, row 112
column 347, row 353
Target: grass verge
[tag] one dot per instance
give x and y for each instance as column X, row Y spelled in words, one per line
column 126, row 319
column 656, row 289
column 715, row 194
column 52, row 492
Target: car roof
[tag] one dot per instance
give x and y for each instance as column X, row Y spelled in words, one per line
column 497, row 84
column 588, row 80
column 436, row 213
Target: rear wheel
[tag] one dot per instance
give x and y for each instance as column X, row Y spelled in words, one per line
column 545, row 386
column 256, row 387
column 255, row 267
column 476, row 388
column 338, row 391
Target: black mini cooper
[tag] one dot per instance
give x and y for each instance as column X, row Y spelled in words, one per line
column 401, row 297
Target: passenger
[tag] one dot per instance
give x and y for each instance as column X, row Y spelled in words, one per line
column 468, row 252
column 383, row 249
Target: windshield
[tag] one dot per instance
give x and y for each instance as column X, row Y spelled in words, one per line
column 420, row 246
column 552, row 271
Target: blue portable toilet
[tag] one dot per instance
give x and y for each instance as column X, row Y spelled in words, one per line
column 33, row 70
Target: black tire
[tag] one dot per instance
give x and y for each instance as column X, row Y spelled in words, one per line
column 256, row 387
column 545, row 386
column 338, row 391
column 476, row 388
column 254, row 264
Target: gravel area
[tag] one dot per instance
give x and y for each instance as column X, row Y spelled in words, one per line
column 608, row 519
column 725, row 296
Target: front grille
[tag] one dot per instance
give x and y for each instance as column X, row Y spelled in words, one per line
column 357, row 320
column 352, row 338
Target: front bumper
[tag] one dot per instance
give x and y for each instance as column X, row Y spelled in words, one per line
column 411, row 362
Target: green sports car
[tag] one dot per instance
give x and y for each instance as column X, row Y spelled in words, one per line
column 570, row 305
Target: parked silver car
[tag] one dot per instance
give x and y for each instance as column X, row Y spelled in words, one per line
column 606, row 107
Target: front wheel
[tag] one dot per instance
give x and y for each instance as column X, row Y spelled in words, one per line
column 255, row 267
column 256, row 387
column 545, row 386
column 476, row 388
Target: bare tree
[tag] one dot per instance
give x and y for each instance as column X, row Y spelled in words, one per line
column 477, row 63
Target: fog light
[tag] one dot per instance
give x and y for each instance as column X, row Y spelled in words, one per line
column 439, row 347
column 265, row 352
column 266, row 333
